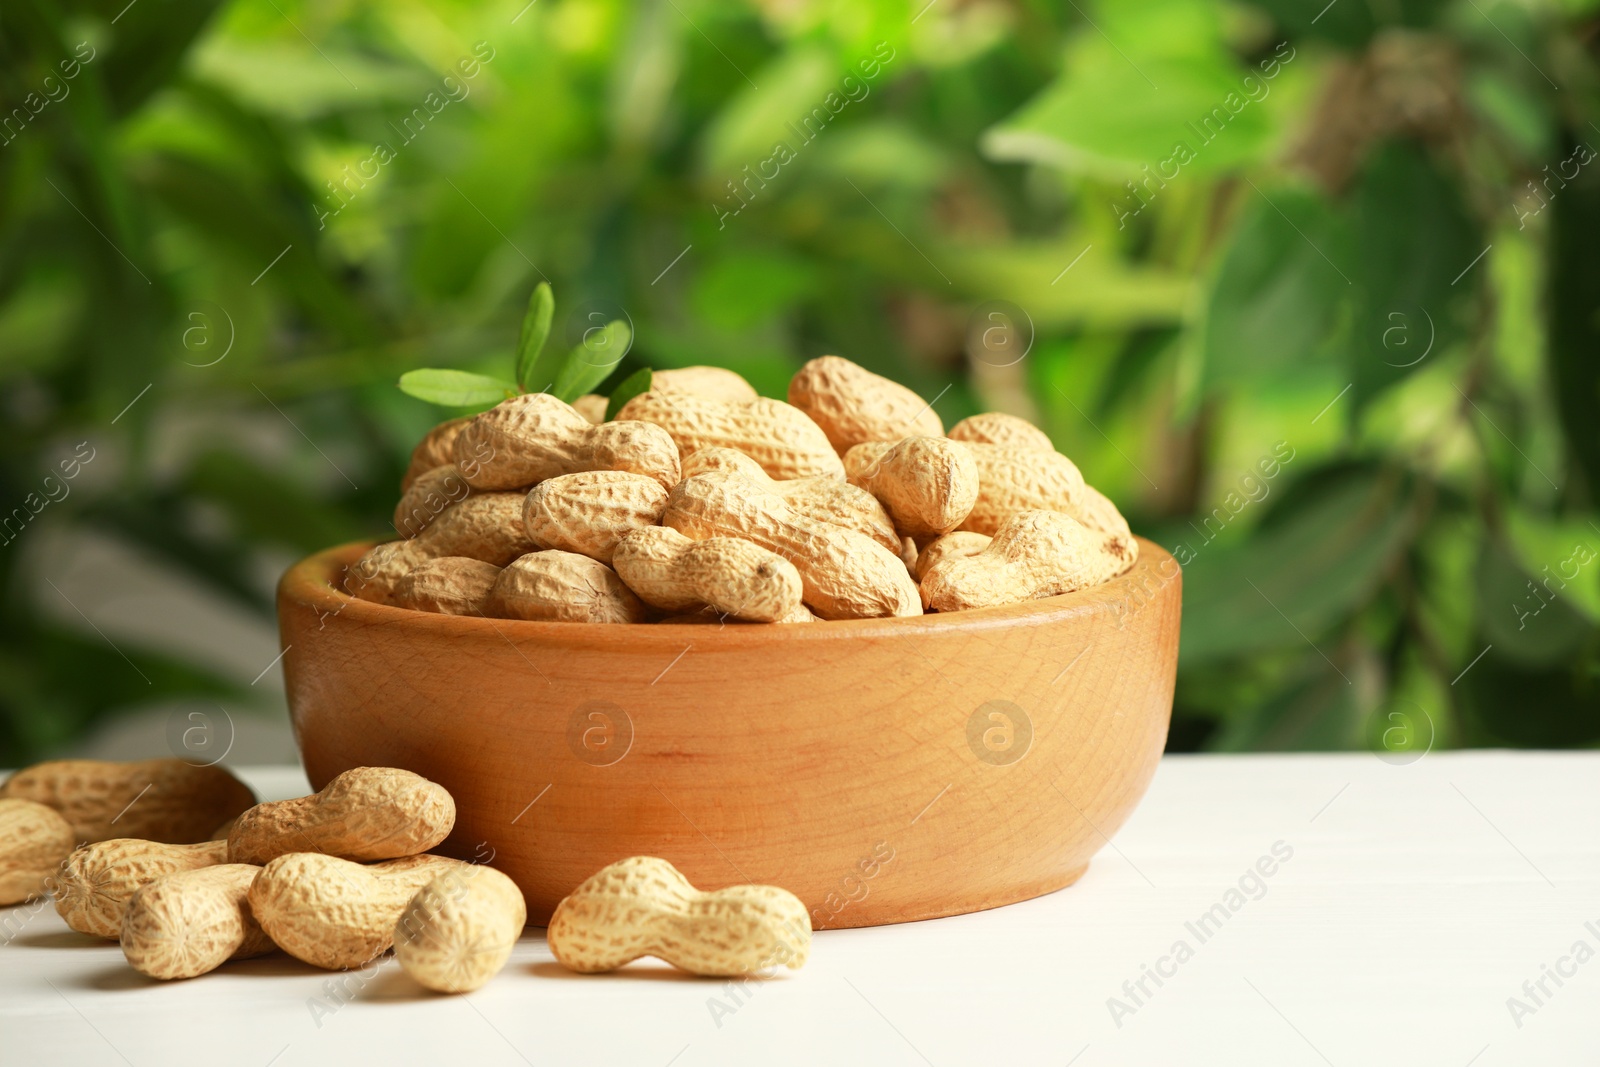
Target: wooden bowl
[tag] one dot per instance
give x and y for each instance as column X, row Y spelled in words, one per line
column 883, row 770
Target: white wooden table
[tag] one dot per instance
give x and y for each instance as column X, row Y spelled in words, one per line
column 1405, row 909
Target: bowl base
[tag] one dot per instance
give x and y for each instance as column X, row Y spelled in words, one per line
column 945, row 910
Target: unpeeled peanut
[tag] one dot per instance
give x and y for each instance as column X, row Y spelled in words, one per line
column 427, row 497
column 715, row 383
column 99, row 879
column 853, row 405
column 535, row 436
column 486, row 526
column 642, row 906
column 158, row 799
column 34, row 839
column 1013, row 478
column 556, row 586
column 998, row 428
column 592, row 406
column 366, row 813
column 190, row 923
column 927, row 484
column 449, row 585
column 458, row 930
column 1034, row 554
column 378, row 573
column 335, row 914
column 591, row 511
column 821, row 497
column 845, row 574
column 781, row 438
column 435, row 449
column 956, row 544
column 730, row 575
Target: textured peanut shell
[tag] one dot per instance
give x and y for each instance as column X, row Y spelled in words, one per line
column 98, row 880
column 844, row 574
column 435, row 449
column 822, row 497
column 457, row 932
column 853, row 405
column 1035, row 554
column 556, row 586
column 486, row 526
column 34, row 839
column 190, row 923
column 957, row 544
column 449, row 585
column 158, row 799
column 998, row 428
column 1012, row 478
column 780, row 438
column 335, row 914
column 590, row 512
column 928, row 485
column 730, row 575
column 642, row 906
column 535, row 436
column 379, row 571
column 592, row 406
column 714, row 383
column 427, row 497
column 366, row 813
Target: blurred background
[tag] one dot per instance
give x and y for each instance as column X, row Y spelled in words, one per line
column 1311, row 291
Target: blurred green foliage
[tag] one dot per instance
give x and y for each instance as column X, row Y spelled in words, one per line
column 1196, row 241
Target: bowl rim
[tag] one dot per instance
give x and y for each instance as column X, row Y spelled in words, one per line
column 309, row 583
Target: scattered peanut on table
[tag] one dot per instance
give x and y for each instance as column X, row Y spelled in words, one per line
column 642, row 906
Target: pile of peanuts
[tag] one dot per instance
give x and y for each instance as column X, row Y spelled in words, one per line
column 702, row 502
column 201, row 874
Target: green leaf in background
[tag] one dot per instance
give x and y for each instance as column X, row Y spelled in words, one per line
column 592, row 360
column 630, row 387
column 1278, row 297
column 1528, row 621
column 1103, row 117
column 1415, row 245
column 1299, row 575
column 456, row 388
column 535, row 332
column 1574, row 327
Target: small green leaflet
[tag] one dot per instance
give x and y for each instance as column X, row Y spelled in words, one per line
column 631, row 386
column 535, row 332
column 456, row 388
column 592, row 360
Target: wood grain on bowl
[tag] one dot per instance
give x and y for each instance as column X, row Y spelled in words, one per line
column 883, row 770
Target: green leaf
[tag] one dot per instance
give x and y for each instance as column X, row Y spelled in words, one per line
column 1411, row 276
column 456, row 388
column 1278, row 298
column 1528, row 615
column 592, row 360
column 1574, row 338
column 1322, row 557
column 535, row 332
column 630, row 387
column 1104, row 117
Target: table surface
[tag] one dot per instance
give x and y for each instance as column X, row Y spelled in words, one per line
column 1283, row 910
